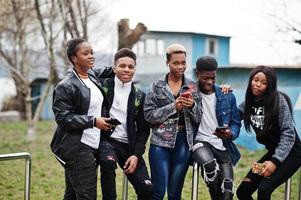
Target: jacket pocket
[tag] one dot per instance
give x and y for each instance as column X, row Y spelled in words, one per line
column 163, row 100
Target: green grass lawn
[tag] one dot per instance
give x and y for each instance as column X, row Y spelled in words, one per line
column 47, row 179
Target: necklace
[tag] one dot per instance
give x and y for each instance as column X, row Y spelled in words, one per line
column 83, row 76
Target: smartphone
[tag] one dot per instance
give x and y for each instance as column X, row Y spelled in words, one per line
column 186, row 95
column 113, row 121
column 258, row 168
column 220, row 128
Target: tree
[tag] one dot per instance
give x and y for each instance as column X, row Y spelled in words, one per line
column 16, row 17
column 59, row 17
column 46, row 24
column 285, row 17
column 128, row 37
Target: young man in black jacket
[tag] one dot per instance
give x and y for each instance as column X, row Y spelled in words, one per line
column 125, row 144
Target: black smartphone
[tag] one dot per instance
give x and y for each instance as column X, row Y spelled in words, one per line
column 113, row 121
column 220, row 128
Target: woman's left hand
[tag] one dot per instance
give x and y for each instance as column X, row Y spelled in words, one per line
column 269, row 169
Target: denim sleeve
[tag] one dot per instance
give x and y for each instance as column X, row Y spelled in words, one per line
column 287, row 131
column 235, row 121
column 153, row 113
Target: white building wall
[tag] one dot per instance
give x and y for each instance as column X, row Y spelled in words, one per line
column 7, row 88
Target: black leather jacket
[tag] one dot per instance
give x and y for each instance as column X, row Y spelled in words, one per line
column 71, row 100
column 137, row 127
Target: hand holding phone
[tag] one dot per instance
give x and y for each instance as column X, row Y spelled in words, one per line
column 113, row 121
column 257, row 168
column 220, row 128
column 186, row 95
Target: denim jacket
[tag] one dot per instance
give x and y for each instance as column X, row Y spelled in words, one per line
column 159, row 106
column 228, row 113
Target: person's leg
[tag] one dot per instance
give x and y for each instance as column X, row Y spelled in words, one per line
column 178, row 167
column 283, row 173
column 203, row 155
column 251, row 182
column 224, row 174
column 226, row 180
column 69, row 192
column 82, row 174
column 159, row 160
column 139, row 178
column 141, row 181
column 108, row 165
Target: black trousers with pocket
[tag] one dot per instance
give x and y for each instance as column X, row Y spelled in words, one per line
column 81, row 176
column 113, row 152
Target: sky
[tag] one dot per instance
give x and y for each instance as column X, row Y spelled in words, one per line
column 255, row 37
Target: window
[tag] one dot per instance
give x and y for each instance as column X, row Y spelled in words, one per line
column 160, row 47
column 211, row 46
column 149, row 47
column 138, row 48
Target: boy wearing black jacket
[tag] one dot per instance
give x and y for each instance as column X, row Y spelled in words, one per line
column 125, row 143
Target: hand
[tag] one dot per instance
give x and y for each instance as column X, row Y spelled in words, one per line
column 179, row 104
column 269, row 169
column 226, row 89
column 187, row 102
column 224, row 134
column 130, row 165
column 102, row 124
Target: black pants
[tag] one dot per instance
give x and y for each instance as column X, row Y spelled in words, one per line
column 217, row 170
column 112, row 152
column 266, row 186
column 81, row 176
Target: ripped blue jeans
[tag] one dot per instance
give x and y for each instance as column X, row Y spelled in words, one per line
column 217, row 170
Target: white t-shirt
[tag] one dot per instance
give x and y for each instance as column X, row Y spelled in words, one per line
column 119, row 109
column 209, row 122
column 91, row 136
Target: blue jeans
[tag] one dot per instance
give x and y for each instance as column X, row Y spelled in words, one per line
column 169, row 167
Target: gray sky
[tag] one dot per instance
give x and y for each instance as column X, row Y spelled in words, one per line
column 255, row 37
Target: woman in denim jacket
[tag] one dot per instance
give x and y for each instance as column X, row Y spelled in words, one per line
column 173, row 117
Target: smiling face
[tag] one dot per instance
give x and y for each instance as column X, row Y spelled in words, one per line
column 259, row 84
column 84, row 58
column 124, row 69
column 177, row 64
column 206, row 81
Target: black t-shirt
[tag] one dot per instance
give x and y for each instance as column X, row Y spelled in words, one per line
column 269, row 138
column 181, row 121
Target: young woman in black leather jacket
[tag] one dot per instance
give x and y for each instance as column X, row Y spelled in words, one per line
column 78, row 104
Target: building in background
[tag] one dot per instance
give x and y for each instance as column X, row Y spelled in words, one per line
column 150, row 50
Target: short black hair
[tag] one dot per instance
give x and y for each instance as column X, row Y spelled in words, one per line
column 72, row 47
column 124, row 52
column 206, row 63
